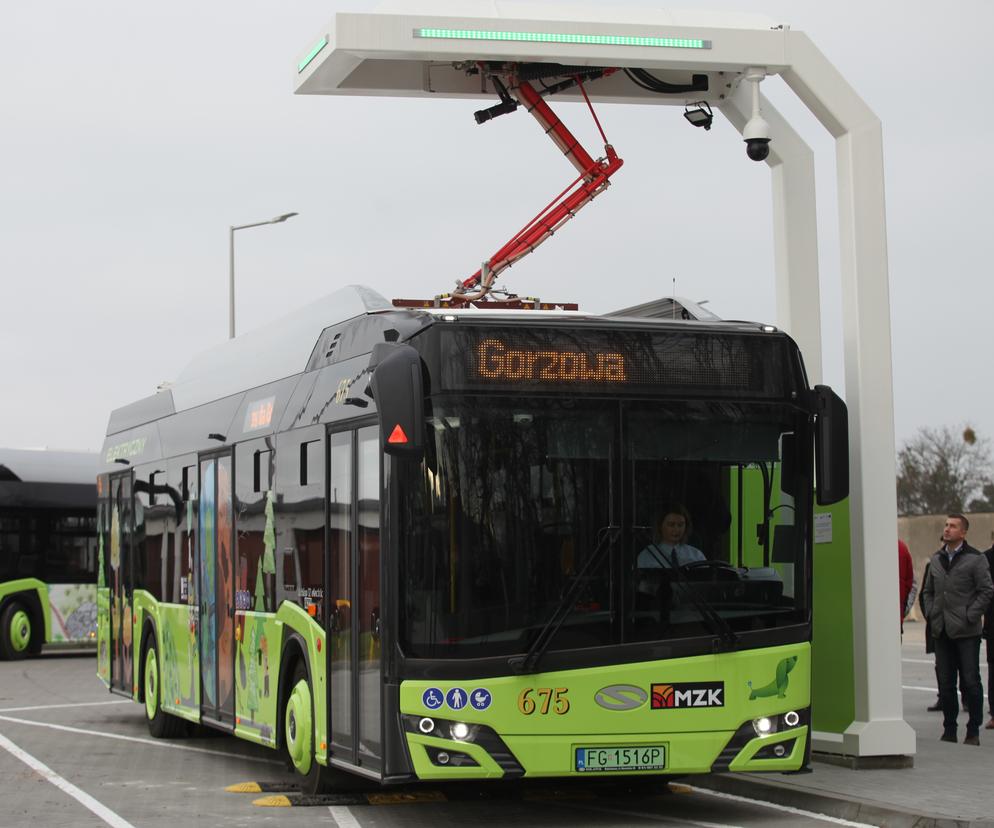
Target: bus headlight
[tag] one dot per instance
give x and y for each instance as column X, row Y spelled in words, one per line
column 763, row 726
column 791, row 718
column 459, row 731
column 426, row 725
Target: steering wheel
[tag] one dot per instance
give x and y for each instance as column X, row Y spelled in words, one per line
column 716, row 567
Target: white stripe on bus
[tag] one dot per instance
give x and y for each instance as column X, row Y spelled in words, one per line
column 87, row 801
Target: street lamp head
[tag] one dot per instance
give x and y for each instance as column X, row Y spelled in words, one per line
column 284, row 217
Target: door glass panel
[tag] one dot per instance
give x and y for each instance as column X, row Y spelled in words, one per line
column 368, row 542
column 340, row 599
column 225, row 594
column 208, row 587
column 120, row 565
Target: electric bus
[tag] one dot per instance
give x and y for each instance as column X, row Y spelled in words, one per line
column 427, row 543
column 48, row 550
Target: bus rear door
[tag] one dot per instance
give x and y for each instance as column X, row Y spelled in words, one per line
column 216, row 569
column 121, row 647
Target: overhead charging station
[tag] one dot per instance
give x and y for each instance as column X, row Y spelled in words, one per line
column 710, row 62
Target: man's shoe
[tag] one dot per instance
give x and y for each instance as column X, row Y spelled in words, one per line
column 933, row 707
column 989, row 725
column 948, row 736
column 972, row 739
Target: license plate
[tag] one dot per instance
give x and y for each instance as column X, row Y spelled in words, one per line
column 620, row 758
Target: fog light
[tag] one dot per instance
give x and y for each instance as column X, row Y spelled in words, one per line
column 779, row 750
column 426, row 725
column 763, row 726
column 443, row 758
column 791, row 719
column 460, row 731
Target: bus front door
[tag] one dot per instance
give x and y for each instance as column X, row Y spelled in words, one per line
column 354, row 577
column 121, row 644
column 215, row 565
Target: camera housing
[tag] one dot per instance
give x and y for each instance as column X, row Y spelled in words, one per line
column 757, row 138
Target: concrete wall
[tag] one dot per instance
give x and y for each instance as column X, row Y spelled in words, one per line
column 923, row 535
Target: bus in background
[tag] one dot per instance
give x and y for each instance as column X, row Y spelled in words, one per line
column 48, row 550
column 439, row 544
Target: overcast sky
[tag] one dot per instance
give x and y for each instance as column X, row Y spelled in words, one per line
column 133, row 135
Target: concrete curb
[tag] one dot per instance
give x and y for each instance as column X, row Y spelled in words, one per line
column 793, row 795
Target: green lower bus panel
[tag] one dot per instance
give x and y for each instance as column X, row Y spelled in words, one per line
column 256, row 676
column 730, row 711
column 180, row 661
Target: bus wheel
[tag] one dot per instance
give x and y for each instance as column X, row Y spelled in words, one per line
column 298, row 723
column 16, row 631
column 161, row 725
column 298, row 737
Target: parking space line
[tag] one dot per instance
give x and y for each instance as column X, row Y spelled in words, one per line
column 155, row 742
column 922, row 689
column 54, row 706
column 918, row 660
column 785, row 808
column 343, row 817
column 669, row 820
column 87, row 801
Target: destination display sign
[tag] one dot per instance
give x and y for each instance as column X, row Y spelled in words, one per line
column 616, row 361
column 259, row 414
column 497, row 360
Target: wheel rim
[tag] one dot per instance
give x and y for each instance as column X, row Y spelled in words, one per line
column 20, row 631
column 151, row 684
column 297, row 727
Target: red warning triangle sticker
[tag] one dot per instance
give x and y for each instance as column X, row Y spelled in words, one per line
column 397, row 435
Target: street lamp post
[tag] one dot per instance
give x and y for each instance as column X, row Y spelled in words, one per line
column 231, row 264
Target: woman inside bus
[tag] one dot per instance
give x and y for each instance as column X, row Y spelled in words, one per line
column 672, row 549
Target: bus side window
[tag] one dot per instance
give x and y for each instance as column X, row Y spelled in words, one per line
column 253, row 572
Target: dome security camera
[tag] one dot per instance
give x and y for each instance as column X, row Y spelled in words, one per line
column 756, row 133
column 757, row 138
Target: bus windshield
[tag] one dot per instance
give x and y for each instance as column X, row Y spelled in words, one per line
column 653, row 520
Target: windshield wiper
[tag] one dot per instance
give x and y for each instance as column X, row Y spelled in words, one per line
column 528, row 662
column 718, row 625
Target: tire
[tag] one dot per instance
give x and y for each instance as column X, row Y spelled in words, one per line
column 19, row 635
column 298, row 737
column 161, row 725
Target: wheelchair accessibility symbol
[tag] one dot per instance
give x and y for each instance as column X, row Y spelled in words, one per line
column 432, row 698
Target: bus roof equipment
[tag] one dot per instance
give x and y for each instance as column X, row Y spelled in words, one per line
column 694, row 60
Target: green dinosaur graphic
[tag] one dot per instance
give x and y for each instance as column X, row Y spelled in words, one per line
column 777, row 687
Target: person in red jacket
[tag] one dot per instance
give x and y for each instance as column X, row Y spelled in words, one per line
column 906, row 578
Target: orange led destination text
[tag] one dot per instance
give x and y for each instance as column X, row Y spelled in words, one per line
column 497, row 361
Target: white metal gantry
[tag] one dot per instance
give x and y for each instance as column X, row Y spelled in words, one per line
column 422, row 54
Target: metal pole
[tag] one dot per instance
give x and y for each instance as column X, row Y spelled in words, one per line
column 231, row 283
column 231, row 263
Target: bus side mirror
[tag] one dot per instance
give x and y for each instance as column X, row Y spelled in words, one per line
column 831, row 447
column 397, row 388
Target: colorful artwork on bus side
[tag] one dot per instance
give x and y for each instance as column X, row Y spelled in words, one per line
column 73, row 611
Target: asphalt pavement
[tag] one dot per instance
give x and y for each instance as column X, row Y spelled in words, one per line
column 72, row 754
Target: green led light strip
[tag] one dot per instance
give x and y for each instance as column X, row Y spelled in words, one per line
column 552, row 37
column 312, row 54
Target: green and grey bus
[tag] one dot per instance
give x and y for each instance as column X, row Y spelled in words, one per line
column 427, row 544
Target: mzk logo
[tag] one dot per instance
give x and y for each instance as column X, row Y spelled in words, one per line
column 688, row 694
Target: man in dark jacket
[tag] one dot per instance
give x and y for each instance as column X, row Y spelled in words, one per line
column 957, row 593
column 989, row 638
